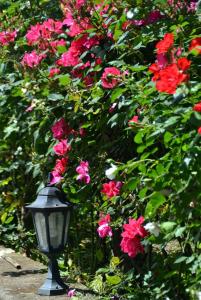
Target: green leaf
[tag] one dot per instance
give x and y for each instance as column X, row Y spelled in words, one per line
column 167, row 137
column 180, row 259
column 168, row 226
column 97, row 284
column 179, row 231
column 131, row 184
column 143, row 192
column 138, row 137
column 55, row 97
column 3, row 217
column 171, row 121
column 115, row 261
column 9, row 220
column 61, row 49
column 156, row 200
column 64, row 80
column 117, row 93
column 117, row 34
column 113, row 280
column 99, row 254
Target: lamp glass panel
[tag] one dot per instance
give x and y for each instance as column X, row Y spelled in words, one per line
column 56, row 223
column 66, row 227
column 41, row 230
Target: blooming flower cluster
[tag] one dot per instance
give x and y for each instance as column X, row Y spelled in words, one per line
column 169, row 71
column 104, row 228
column 46, row 38
column 83, row 171
column 6, row 37
column 60, row 131
column 110, row 77
column 32, row 59
column 42, row 34
column 78, row 27
column 62, row 148
column 111, row 188
column 131, row 237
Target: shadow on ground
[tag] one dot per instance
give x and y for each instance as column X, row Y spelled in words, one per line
column 24, row 272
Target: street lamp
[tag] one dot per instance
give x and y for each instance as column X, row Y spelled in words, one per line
column 51, row 216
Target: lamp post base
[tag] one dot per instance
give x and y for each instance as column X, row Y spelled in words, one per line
column 54, row 289
column 53, row 284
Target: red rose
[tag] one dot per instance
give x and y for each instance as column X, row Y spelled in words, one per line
column 61, row 165
column 199, row 130
column 131, row 246
column 112, row 188
column 197, row 107
column 134, row 228
column 164, row 45
column 183, row 63
column 169, row 78
column 131, row 241
column 154, row 68
column 196, row 45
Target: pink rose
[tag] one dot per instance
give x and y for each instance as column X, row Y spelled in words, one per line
column 54, row 71
column 32, row 59
column 104, row 229
column 80, row 3
column 131, row 246
column 34, row 34
column 134, row 120
column 60, row 129
column 62, row 147
column 71, row 293
column 83, row 170
column 7, row 37
column 110, row 77
column 56, row 177
column 162, row 60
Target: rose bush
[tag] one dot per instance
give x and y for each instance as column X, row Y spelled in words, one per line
column 86, row 85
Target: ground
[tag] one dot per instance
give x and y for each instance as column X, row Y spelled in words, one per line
column 19, row 284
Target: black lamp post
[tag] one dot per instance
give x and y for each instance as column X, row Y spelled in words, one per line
column 51, row 215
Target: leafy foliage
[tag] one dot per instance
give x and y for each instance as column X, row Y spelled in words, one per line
column 157, row 156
